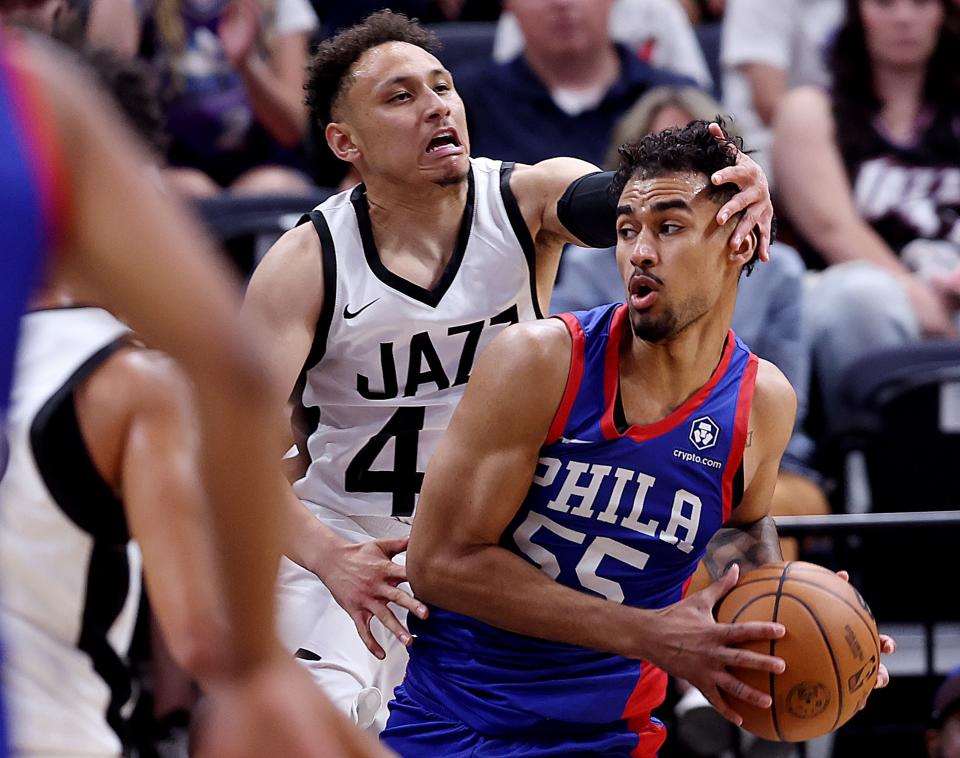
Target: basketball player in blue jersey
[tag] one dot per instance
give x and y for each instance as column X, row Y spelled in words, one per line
column 382, row 302
column 589, row 464
column 77, row 200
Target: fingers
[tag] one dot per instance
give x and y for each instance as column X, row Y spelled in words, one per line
column 729, row 683
column 748, row 659
column 716, row 131
column 722, row 586
column 751, row 630
column 391, row 547
column 883, row 677
column 723, row 707
column 393, row 625
column 844, row 575
column 888, row 645
column 406, row 600
column 362, row 622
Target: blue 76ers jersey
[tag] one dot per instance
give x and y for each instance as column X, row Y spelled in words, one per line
column 622, row 514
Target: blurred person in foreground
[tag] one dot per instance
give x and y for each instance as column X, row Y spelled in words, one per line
column 868, row 174
column 78, row 201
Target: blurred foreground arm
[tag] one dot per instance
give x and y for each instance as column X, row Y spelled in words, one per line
column 144, row 258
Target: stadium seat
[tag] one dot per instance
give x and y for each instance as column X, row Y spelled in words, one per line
column 465, row 42
column 905, row 428
column 247, row 225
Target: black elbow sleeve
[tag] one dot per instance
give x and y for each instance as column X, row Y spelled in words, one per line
column 588, row 210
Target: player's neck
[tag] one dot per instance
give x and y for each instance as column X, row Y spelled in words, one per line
column 586, row 70
column 415, row 211
column 658, row 378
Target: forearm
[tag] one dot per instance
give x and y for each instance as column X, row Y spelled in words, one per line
column 750, row 547
column 280, row 111
column 497, row 587
column 242, row 481
column 855, row 241
column 308, row 541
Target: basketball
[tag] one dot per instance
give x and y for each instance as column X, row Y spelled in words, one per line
column 831, row 649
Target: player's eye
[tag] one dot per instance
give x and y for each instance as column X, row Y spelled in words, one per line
column 626, row 232
column 442, row 87
column 399, row 97
column 670, row 228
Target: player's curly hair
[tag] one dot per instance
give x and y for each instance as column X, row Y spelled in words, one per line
column 680, row 149
column 328, row 72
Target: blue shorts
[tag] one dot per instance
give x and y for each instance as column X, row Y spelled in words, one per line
column 414, row 731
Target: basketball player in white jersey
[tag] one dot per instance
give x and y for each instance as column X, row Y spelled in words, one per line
column 102, row 447
column 114, row 236
column 385, row 300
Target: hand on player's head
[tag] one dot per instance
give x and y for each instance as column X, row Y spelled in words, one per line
column 753, row 200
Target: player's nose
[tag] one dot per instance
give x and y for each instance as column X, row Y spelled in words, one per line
column 644, row 253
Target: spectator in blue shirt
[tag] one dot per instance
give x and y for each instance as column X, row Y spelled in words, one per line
column 564, row 93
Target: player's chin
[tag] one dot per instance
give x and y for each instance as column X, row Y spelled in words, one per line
column 451, row 170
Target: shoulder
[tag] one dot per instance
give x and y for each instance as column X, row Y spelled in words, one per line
column 136, row 379
column 536, row 352
column 774, row 403
column 294, row 261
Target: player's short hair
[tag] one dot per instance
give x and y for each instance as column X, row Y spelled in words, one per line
column 690, row 148
column 328, row 72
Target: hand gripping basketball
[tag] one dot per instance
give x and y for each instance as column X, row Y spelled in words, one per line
column 688, row 643
column 832, row 649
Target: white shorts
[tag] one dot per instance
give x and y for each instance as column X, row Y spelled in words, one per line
column 325, row 640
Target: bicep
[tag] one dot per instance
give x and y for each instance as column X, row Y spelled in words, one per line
column 771, row 423
column 538, row 188
column 483, row 467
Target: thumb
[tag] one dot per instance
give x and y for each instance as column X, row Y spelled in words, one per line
column 723, row 585
column 391, row 547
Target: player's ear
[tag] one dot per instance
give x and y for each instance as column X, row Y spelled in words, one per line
column 744, row 251
column 341, row 142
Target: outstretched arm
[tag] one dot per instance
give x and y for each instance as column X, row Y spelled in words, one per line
column 568, row 199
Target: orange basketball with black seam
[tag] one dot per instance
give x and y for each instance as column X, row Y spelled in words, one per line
column 831, row 649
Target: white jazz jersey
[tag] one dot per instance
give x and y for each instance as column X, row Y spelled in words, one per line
column 69, row 576
column 390, row 359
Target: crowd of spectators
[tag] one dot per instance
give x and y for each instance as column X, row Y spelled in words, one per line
column 851, row 106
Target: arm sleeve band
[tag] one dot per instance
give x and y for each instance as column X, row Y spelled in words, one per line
column 588, row 210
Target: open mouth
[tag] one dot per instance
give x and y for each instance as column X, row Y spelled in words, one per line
column 644, row 291
column 444, row 142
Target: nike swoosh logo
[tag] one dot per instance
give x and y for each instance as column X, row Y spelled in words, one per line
column 567, row 441
column 348, row 315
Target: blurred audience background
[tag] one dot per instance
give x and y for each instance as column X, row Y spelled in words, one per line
column 851, row 106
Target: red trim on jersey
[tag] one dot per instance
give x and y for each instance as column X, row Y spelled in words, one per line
column 650, row 736
column 574, row 376
column 686, row 585
column 612, row 379
column 35, row 116
column 649, row 692
column 740, row 424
